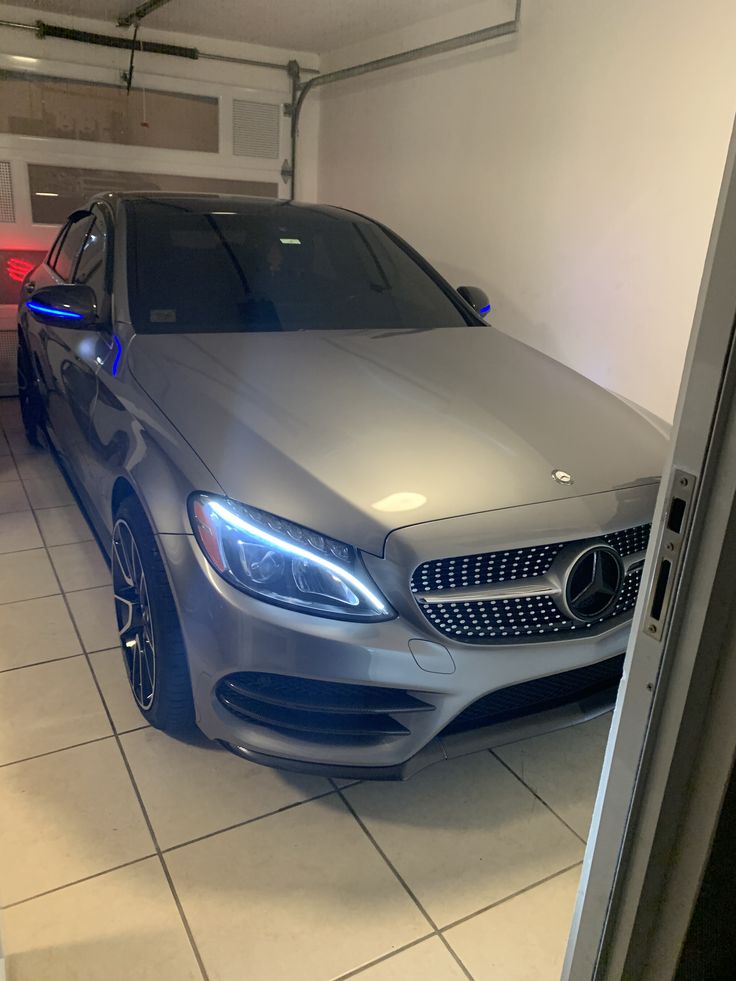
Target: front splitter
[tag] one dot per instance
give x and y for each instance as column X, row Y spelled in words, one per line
column 447, row 747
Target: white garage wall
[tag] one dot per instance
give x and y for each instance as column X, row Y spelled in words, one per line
column 572, row 172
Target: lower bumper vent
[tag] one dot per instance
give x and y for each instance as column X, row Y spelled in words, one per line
column 318, row 708
column 540, row 695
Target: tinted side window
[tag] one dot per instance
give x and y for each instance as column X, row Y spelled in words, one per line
column 91, row 264
column 54, row 250
column 70, row 247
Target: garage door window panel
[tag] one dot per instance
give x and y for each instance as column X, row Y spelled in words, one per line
column 57, row 191
column 98, row 112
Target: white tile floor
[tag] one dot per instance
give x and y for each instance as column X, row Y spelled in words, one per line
column 125, row 854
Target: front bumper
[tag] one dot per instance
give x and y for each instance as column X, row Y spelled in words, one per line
column 228, row 633
column 448, row 746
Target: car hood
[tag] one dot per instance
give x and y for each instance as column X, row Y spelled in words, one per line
column 358, row 433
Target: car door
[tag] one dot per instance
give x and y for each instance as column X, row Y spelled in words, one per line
column 79, row 372
column 56, row 346
column 36, row 336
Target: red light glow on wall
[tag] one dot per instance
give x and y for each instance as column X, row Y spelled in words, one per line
column 15, row 264
column 17, row 268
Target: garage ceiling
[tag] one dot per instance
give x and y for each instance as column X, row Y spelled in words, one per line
column 309, row 25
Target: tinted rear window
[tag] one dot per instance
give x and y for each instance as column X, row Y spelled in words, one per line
column 66, row 260
column 276, row 268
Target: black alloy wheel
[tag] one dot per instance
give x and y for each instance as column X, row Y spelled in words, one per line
column 133, row 609
column 148, row 624
column 30, row 403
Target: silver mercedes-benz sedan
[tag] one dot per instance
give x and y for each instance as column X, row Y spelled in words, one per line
column 353, row 528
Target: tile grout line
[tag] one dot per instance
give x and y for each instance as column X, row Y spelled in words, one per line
column 247, row 821
column 439, row 933
column 146, row 818
column 17, row 510
column 371, row 838
column 77, row 882
column 14, row 551
column 86, row 742
column 136, row 791
column 513, row 895
column 38, row 664
column 455, row 956
column 189, row 841
column 61, row 749
column 401, row 879
column 46, row 507
column 52, row 507
column 84, row 589
column 357, row 971
column 540, row 799
column 53, row 660
column 165, row 869
column 44, row 596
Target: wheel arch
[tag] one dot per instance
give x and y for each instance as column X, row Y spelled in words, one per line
column 123, row 490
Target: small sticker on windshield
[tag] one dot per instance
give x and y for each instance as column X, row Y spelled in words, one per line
column 163, row 316
column 290, row 241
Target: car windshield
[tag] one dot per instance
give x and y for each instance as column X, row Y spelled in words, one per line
column 237, row 267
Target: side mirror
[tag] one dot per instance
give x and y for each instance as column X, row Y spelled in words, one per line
column 72, row 305
column 476, row 298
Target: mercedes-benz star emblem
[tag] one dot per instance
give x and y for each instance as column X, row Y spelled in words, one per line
column 593, row 583
column 562, row 477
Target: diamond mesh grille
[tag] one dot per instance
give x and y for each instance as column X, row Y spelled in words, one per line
column 486, row 621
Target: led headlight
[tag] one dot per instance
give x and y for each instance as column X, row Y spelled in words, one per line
column 284, row 563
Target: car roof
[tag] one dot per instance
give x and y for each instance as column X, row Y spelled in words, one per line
column 204, row 202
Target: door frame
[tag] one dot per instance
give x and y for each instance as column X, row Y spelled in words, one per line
column 673, row 736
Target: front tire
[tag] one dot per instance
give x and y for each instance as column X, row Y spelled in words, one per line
column 148, row 624
column 30, row 404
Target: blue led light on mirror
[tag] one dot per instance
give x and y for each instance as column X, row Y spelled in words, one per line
column 51, row 312
column 119, row 351
column 486, row 309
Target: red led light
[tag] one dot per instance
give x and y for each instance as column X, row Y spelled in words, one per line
column 18, row 269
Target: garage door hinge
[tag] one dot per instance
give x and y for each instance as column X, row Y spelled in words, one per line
column 287, row 171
